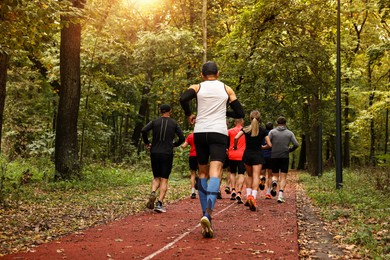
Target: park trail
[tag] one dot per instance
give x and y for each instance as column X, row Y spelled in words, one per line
column 269, row 233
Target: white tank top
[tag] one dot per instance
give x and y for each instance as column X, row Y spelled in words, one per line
column 212, row 101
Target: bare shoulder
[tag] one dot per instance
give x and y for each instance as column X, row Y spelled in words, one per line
column 195, row 87
column 230, row 92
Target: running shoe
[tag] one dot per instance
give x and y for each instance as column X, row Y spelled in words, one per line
column 262, row 183
column 207, row 230
column 159, row 207
column 193, row 196
column 247, row 201
column 280, row 200
column 252, row 203
column 268, row 196
column 219, row 196
column 234, row 195
column 227, row 190
column 152, row 198
column 239, row 200
column 273, row 190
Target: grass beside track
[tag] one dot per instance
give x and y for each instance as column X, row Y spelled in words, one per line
column 35, row 210
column 358, row 213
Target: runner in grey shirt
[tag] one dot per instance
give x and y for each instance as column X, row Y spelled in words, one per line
column 281, row 138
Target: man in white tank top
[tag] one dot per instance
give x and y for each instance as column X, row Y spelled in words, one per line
column 210, row 134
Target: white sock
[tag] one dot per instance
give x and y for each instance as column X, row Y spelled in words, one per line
column 254, row 193
column 280, row 194
column 193, row 190
column 248, row 191
column 269, row 191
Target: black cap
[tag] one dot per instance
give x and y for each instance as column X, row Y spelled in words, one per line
column 165, row 108
column 209, row 68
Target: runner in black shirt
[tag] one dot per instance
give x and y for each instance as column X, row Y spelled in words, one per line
column 164, row 130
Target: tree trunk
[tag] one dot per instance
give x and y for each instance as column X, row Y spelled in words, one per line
column 66, row 148
column 372, row 125
column 313, row 137
column 372, row 131
column 3, row 88
column 346, row 157
column 142, row 112
column 387, row 130
column 204, row 30
column 302, row 154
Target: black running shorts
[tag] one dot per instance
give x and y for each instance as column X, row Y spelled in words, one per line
column 267, row 164
column 161, row 164
column 279, row 164
column 253, row 157
column 193, row 163
column 237, row 167
column 210, row 146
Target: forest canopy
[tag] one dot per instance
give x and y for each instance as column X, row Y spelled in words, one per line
column 278, row 56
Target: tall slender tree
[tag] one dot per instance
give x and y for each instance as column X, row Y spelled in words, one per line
column 3, row 83
column 66, row 147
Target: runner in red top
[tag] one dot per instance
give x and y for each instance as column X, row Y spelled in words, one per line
column 192, row 161
column 235, row 160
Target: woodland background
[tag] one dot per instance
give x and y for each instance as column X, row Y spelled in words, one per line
column 80, row 78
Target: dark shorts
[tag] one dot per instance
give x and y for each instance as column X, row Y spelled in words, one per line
column 253, row 157
column 210, row 146
column 237, row 167
column 193, row 163
column 226, row 164
column 161, row 164
column 267, row 164
column 279, row 164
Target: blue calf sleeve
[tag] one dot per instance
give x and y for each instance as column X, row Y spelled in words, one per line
column 202, row 192
column 212, row 192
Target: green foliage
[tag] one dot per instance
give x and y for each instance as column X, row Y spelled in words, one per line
column 359, row 211
column 278, row 56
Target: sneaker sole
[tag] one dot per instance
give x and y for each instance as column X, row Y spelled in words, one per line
column 207, row 231
column 280, row 200
column 150, row 204
column 252, row 206
column 273, row 191
column 160, row 210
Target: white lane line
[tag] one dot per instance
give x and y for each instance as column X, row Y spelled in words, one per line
column 181, row 236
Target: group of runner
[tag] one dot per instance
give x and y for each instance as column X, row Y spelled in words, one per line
column 246, row 146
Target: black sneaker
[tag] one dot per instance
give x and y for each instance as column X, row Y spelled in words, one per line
column 152, row 198
column 193, row 196
column 239, row 200
column 234, row 195
column 159, row 207
column 219, row 196
column 227, row 190
column 262, row 183
column 273, row 190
